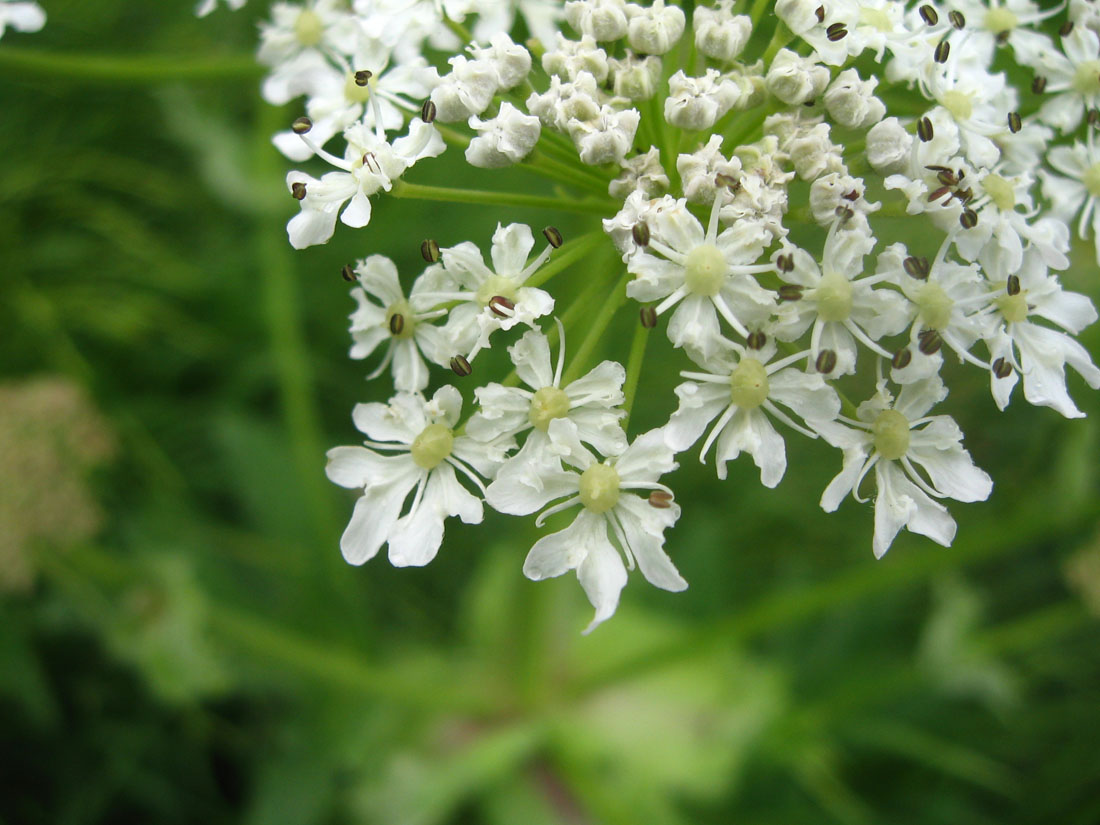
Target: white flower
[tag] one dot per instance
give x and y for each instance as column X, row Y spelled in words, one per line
column 1079, row 190
column 699, row 171
column 602, row 20
column 401, row 322
column 895, row 439
column 23, row 17
column 612, row 514
column 569, row 58
column 796, row 80
column 696, row 103
column 702, row 274
column 510, row 61
column 492, row 299
column 591, row 402
column 634, row 77
column 312, row 31
column 503, row 140
column 719, row 33
column 206, row 6
column 425, row 454
column 371, row 164
column 742, row 394
column 1043, row 352
column 1073, row 79
column 467, row 90
column 842, row 306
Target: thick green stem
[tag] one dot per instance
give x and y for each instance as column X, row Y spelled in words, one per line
column 595, row 332
column 634, row 369
column 570, row 252
column 588, row 206
column 102, row 68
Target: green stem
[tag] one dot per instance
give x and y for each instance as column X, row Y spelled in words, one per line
column 634, row 368
column 588, row 206
column 101, row 68
column 570, row 252
column 595, row 332
column 780, row 38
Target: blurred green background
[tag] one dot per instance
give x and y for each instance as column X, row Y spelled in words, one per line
column 182, row 642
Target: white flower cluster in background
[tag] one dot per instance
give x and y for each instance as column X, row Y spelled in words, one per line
column 745, row 160
column 21, row 15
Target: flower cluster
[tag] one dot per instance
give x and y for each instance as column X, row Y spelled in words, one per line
column 744, row 161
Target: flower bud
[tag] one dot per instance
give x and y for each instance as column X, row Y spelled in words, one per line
column 635, row 78
column 719, row 33
column 503, row 140
column 851, row 102
column 510, row 61
column 696, row 103
column 654, row 30
column 888, row 146
column 602, row 20
column 795, row 79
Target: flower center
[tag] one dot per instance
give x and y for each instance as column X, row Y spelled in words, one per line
column 749, row 384
column 496, row 285
column 1086, row 79
column 1000, row 20
column 834, row 297
column 400, row 327
column 1013, row 307
column 356, row 93
column 876, row 18
column 1001, row 191
column 1091, row 179
column 935, row 306
column 549, row 403
column 705, row 270
column 432, row 446
column 958, row 104
column 309, row 28
column 891, row 432
column 599, row 488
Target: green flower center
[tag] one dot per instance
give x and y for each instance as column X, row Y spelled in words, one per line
column 705, row 270
column 1091, row 179
column 432, row 446
column 877, row 18
column 935, row 306
column 549, row 403
column 599, row 488
column 356, row 93
column 1000, row 20
column 496, row 285
column 749, row 384
column 1086, row 79
column 309, row 28
column 1013, row 307
column 958, row 104
column 407, row 323
column 891, row 432
column 1001, row 191
column 834, row 297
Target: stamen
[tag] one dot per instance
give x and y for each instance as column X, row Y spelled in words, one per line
column 397, row 323
column 756, row 340
column 916, row 267
column 362, row 77
column 790, row 292
column 901, row 358
column 298, row 191
column 640, row 233
column 1066, row 28
column 461, row 366
column 557, row 508
column 826, row 361
column 1001, row 368
column 785, row 263
column 429, row 251
column 930, row 341
column 942, row 52
column 819, row 12
column 648, row 317
column 660, row 499
column 928, row 14
column 1039, row 85
column 836, row 32
column 968, row 219
column 1012, row 286
column 862, row 475
column 957, row 19
column 301, row 125
column 1014, row 122
column 924, row 129
column 501, row 306
column 347, row 273
column 553, row 236
column 427, row 112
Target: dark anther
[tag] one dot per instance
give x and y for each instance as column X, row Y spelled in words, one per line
column 660, row 499
column 1002, row 37
column 968, row 219
column 1001, row 368
column 347, row 273
column 809, row 103
column 640, row 233
column 901, row 358
column 1013, row 285
column 1039, row 84
column 756, row 340
column 964, row 196
column 844, row 213
column 461, row 366
column 1067, row 27
column 930, row 341
column 942, row 52
column 851, row 196
column 916, row 267
column 820, row 13
column 936, row 194
column 301, row 125
column 1014, row 122
column 928, row 14
column 298, row 190
column 836, row 32
column 957, row 19
column 790, row 292
column 648, row 316
column 1093, row 117
column 826, row 361
column 363, row 76
column 785, row 263
column 924, row 129
column 728, row 181
column 501, row 306
column 947, row 177
column 429, row 251
column 397, row 323
column 553, row 236
column 427, row 111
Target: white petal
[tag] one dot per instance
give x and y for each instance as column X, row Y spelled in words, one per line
column 376, row 512
column 953, row 473
column 644, row 528
column 699, row 405
column 602, row 385
column 647, row 459
column 530, row 481
column 564, row 550
column 603, row 577
column 531, row 356
column 751, row 431
column 512, row 246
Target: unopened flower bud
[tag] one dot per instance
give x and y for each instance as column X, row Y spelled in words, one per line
column 656, row 29
column 719, row 33
column 851, row 102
